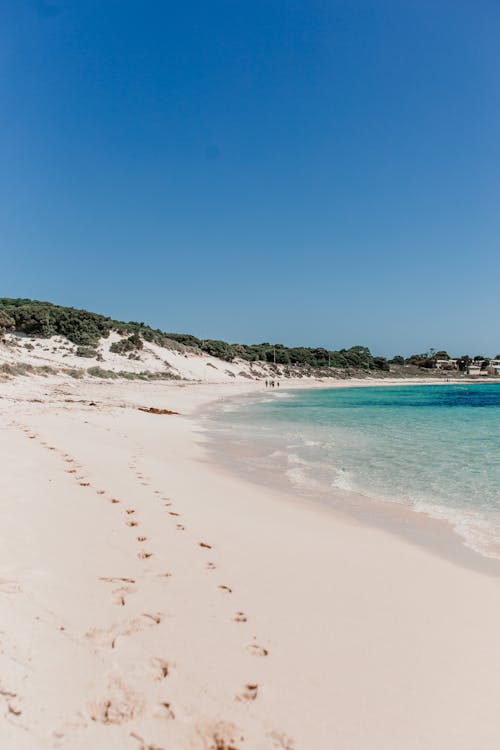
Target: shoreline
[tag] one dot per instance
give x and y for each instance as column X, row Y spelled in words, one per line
column 437, row 534
column 229, row 614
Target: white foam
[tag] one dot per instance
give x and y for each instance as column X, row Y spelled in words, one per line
column 477, row 532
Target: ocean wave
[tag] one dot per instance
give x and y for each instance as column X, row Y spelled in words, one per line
column 477, row 532
column 343, row 480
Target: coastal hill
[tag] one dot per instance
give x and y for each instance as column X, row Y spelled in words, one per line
column 41, row 337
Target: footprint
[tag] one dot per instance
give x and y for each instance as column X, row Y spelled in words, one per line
column 84, row 484
column 9, row 586
column 173, row 513
column 180, row 527
column 222, row 736
column 204, row 544
column 144, row 555
column 144, row 745
column 141, row 538
column 13, row 708
column 117, row 710
column 156, row 618
column 161, row 668
column 240, row 617
column 210, row 566
column 108, row 637
column 167, row 709
column 129, row 511
column 223, row 587
column 114, row 500
column 256, row 650
column 116, row 579
column 282, row 741
column 248, row 692
column 100, row 492
column 118, row 595
column 132, row 523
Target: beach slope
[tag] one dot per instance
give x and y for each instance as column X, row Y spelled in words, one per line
column 149, row 600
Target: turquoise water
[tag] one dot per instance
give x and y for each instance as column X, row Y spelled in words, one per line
column 434, row 448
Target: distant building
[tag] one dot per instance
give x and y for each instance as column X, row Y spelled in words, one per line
column 476, row 370
column 446, row 364
column 494, row 367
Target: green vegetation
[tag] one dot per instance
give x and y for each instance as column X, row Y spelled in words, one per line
column 125, row 346
column 45, row 320
column 85, row 329
column 87, row 351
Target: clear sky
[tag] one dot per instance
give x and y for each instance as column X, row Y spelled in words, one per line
column 317, row 172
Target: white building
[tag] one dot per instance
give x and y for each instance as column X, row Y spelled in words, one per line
column 446, row 364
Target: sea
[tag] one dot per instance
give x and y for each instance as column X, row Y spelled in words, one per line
column 434, row 449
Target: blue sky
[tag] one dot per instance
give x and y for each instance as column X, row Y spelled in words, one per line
column 321, row 173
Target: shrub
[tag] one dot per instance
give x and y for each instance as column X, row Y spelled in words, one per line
column 86, row 351
column 98, row 372
column 124, row 346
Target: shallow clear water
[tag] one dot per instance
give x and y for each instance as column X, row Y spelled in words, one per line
column 434, row 448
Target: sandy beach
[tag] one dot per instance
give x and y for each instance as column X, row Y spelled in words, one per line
column 152, row 600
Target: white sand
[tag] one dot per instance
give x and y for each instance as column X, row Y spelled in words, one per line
column 349, row 639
